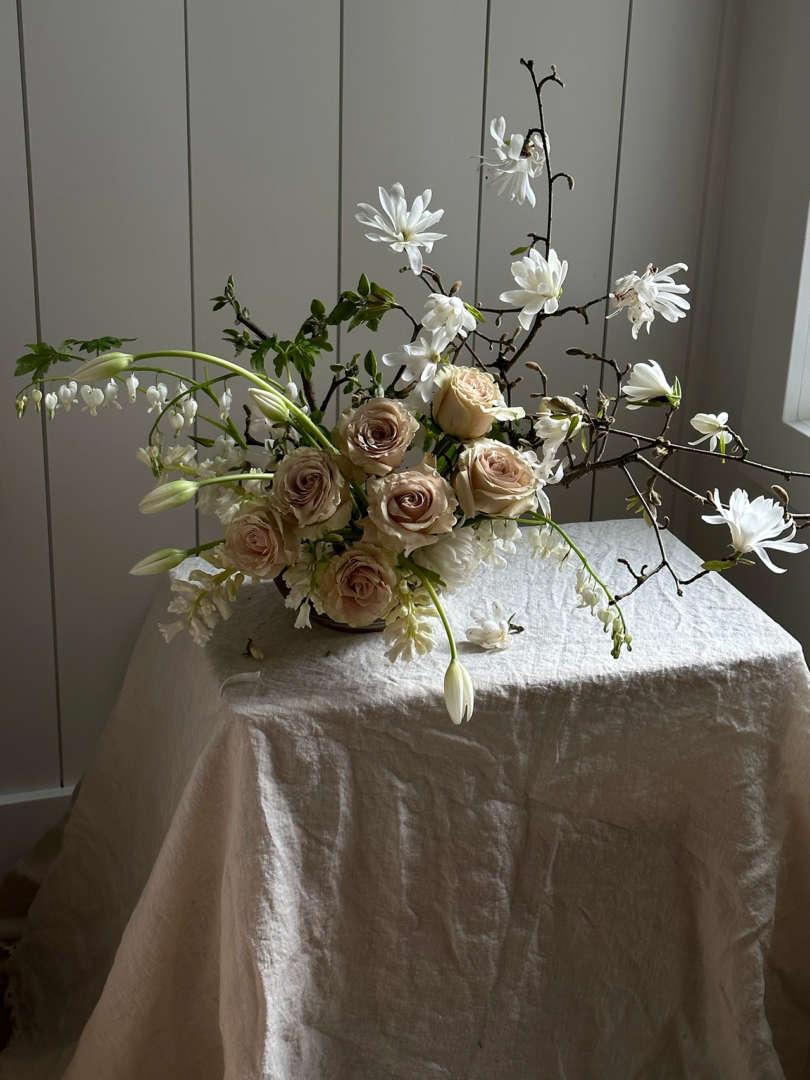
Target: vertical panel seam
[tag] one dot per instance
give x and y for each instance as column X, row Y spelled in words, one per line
column 43, row 420
column 191, row 278
column 485, row 90
column 614, row 217
column 339, row 260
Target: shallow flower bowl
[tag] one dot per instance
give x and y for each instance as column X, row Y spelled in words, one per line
column 323, row 620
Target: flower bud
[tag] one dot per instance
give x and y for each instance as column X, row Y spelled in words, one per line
column 271, row 405
column 166, row 496
column 159, row 561
column 459, row 694
column 21, row 404
column 36, row 396
column 292, row 391
column 102, row 367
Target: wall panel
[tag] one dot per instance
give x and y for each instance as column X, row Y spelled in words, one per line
column 106, row 82
column 586, row 41
column 417, row 123
column 669, row 112
column 29, row 752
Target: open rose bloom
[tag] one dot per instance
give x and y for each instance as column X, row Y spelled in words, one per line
column 369, row 491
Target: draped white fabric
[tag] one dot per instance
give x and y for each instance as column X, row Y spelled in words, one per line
column 606, row 873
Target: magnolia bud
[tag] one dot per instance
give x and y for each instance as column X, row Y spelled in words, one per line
column 166, row 496
column 271, row 404
column 102, row 367
column 459, row 694
column 159, row 561
column 781, row 494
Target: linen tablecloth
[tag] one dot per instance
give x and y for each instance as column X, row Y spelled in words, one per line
column 313, row 875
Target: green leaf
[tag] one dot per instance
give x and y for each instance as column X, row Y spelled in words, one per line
column 520, row 250
column 475, row 313
column 718, row 564
column 42, row 355
column 342, row 311
column 257, row 357
column 370, row 363
column 201, row 441
column 101, row 345
column 363, row 287
column 317, row 309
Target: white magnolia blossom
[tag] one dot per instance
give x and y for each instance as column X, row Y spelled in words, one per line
column 648, row 385
column 518, row 161
column 403, row 229
column 491, row 629
column 541, row 281
column 558, row 420
column 449, row 315
column 456, row 558
column 653, row 291
column 132, row 383
column 421, row 361
column 92, row 396
column 713, row 427
column 51, row 404
column 157, row 396
column 756, row 526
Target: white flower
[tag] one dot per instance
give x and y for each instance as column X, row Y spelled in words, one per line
column 189, row 407
column 448, row 314
column 51, row 404
column 540, row 282
column 291, row 390
column 179, row 457
column 491, row 630
column 459, row 694
column 556, row 423
column 133, row 383
column 400, row 228
column 93, row 397
column 548, row 544
column 456, row 558
column 157, row 396
column 408, row 631
column 36, row 397
column 271, row 405
column 654, row 290
column 21, row 404
column 150, row 456
column 518, row 161
column 648, row 385
column 203, row 600
column 712, row 427
column 497, row 538
column 111, row 395
column 176, row 419
column 225, row 402
column 755, row 526
column 421, row 361
column 67, row 394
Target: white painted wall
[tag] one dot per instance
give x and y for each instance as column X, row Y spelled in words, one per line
column 148, row 150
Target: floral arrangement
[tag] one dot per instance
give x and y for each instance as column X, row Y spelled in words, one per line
column 430, row 471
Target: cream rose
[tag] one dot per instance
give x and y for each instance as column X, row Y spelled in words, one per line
column 310, row 491
column 493, row 478
column 409, row 509
column 467, row 401
column 376, row 436
column 359, row 586
column 256, row 544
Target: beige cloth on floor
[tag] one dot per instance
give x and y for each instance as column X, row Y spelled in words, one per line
column 605, row 874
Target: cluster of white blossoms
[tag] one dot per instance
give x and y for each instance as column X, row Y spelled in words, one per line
column 420, row 483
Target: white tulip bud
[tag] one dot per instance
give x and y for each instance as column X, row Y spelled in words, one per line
column 271, row 404
column 102, row 367
column 159, row 561
column 167, row 496
column 459, row 694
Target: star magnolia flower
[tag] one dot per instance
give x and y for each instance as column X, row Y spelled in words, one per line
column 648, row 385
column 448, row 314
column 519, row 160
column 421, row 361
column 400, row 228
column 491, row 630
column 755, row 526
column 654, row 290
column 540, row 284
column 713, row 427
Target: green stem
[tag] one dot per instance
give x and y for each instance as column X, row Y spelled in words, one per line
column 540, row 519
column 436, row 603
column 233, row 477
column 204, row 547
